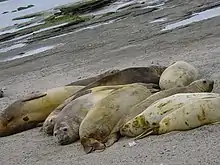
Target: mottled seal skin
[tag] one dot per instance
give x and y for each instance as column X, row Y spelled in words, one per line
column 100, row 128
column 179, row 74
column 89, row 80
column 48, row 125
column 66, row 128
column 144, row 122
column 27, row 113
column 134, row 125
column 192, row 115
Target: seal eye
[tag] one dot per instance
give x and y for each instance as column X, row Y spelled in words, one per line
column 25, row 118
column 65, row 129
column 204, row 81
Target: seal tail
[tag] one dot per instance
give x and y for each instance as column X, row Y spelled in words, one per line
column 145, row 133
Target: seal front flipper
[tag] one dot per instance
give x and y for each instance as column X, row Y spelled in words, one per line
column 33, row 96
column 90, row 145
column 112, row 138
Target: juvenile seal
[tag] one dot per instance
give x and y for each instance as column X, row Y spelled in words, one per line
column 151, row 117
column 192, row 115
column 89, row 80
column 100, row 127
column 178, row 74
column 132, row 127
column 66, row 128
column 48, row 125
column 27, row 113
column 147, row 75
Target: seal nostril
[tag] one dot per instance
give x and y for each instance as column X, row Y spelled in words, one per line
column 25, row 118
column 65, row 129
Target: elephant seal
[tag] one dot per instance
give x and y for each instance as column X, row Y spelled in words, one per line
column 66, row 128
column 198, row 86
column 147, row 75
column 191, row 115
column 28, row 112
column 100, row 128
column 48, row 125
column 148, row 119
column 178, row 74
column 89, row 80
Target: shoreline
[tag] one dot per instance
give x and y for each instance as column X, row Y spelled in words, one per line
column 127, row 42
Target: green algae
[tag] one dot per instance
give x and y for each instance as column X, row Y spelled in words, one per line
column 84, row 6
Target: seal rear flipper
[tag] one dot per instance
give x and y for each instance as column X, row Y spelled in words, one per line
column 90, row 145
column 33, row 96
column 112, row 138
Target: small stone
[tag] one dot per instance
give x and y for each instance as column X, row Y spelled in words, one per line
column 161, row 152
column 1, row 93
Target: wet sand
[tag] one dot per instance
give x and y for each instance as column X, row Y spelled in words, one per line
column 131, row 41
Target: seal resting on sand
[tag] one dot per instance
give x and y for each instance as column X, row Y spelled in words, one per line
column 148, row 75
column 151, row 117
column 89, row 80
column 132, row 127
column 194, row 114
column 27, row 113
column 178, row 74
column 100, row 128
column 67, row 122
column 48, row 125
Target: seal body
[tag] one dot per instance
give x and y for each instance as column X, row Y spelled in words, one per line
column 135, row 125
column 192, row 115
column 100, row 127
column 48, row 125
column 89, row 80
column 150, row 118
column 66, row 128
column 178, row 74
column 147, row 75
column 27, row 113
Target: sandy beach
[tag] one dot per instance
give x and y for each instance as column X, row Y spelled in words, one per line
column 132, row 40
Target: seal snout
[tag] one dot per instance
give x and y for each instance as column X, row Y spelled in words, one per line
column 48, row 126
column 4, row 131
column 62, row 136
column 209, row 84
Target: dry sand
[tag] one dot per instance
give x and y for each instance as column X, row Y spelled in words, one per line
column 131, row 41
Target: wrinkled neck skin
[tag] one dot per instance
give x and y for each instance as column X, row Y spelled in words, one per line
column 198, row 88
column 159, row 69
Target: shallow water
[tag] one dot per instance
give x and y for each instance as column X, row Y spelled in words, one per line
column 29, row 53
column 159, row 20
column 210, row 13
column 84, row 28
column 12, row 47
column 39, row 5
